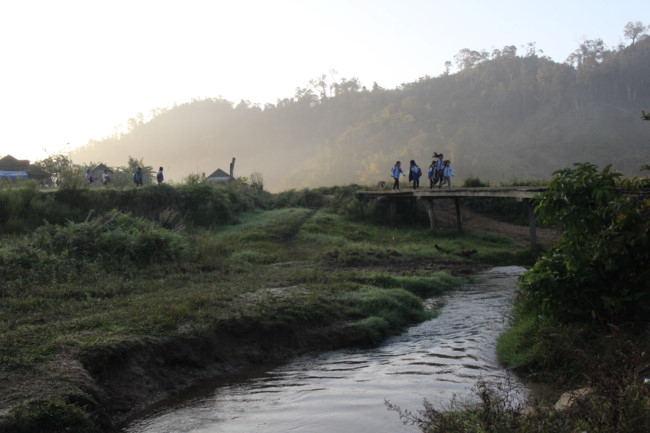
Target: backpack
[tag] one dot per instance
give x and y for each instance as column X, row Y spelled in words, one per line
column 419, row 171
column 90, row 178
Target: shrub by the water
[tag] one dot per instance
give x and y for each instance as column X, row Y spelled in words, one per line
column 598, row 270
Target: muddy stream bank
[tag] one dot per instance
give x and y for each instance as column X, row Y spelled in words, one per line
column 346, row 390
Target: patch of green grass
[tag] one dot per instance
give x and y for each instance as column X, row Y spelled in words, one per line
column 51, row 416
column 515, row 346
column 359, row 254
column 424, row 286
column 396, row 306
column 254, row 257
column 373, row 329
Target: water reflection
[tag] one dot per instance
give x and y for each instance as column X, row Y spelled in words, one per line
column 345, row 391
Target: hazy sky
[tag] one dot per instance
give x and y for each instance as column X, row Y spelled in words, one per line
column 71, row 71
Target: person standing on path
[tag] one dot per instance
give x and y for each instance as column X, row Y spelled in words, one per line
column 88, row 178
column 395, row 173
column 106, row 178
column 137, row 177
column 159, row 176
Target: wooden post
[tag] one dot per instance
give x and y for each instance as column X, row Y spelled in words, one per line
column 428, row 204
column 531, row 220
column 392, row 210
column 232, row 170
column 459, row 217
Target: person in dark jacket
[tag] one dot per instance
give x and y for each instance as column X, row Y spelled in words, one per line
column 415, row 172
column 137, row 177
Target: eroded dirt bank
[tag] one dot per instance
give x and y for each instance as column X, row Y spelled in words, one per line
column 119, row 382
column 134, row 378
column 130, row 379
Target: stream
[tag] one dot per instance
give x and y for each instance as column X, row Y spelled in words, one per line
column 346, row 390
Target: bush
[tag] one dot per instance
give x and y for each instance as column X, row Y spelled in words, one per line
column 618, row 403
column 308, row 198
column 114, row 243
column 395, row 306
column 474, row 182
column 25, row 208
column 205, row 205
column 599, row 269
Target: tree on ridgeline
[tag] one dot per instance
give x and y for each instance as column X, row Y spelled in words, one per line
column 634, row 30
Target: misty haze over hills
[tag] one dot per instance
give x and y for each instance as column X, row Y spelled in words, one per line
column 505, row 115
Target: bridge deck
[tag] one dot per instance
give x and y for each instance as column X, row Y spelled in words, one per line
column 520, row 192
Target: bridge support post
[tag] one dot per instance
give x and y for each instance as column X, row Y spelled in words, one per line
column 392, row 210
column 459, row 217
column 531, row 220
column 428, row 204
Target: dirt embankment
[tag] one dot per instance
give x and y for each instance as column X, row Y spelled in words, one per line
column 127, row 380
column 119, row 382
column 135, row 378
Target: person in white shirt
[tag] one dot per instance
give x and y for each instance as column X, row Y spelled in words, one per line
column 447, row 174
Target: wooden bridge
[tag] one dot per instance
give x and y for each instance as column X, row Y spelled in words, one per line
column 428, row 196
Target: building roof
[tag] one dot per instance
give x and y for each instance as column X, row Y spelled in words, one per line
column 10, row 163
column 101, row 167
column 219, row 173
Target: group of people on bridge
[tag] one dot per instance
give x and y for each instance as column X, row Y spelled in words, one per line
column 440, row 172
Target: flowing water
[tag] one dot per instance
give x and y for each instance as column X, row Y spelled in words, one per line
column 346, row 390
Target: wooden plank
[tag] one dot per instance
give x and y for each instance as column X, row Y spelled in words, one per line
column 514, row 192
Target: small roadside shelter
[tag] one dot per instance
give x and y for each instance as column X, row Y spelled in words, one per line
column 97, row 171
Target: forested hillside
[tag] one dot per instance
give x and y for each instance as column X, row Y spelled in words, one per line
column 505, row 115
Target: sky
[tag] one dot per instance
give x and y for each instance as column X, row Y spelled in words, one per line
column 73, row 71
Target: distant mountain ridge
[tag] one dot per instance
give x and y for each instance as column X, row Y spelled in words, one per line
column 502, row 117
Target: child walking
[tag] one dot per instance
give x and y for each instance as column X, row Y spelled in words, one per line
column 447, row 174
column 395, row 172
column 415, row 174
column 439, row 167
column 431, row 173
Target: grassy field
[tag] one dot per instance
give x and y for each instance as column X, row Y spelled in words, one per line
column 68, row 322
